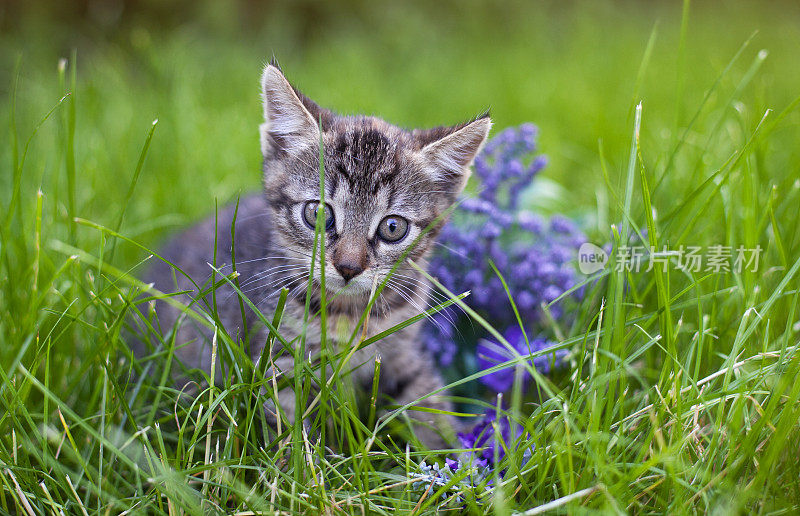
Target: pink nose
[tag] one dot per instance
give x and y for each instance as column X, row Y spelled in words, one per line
column 349, row 257
column 349, row 270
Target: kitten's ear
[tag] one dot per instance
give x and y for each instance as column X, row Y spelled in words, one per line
column 449, row 152
column 288, row 126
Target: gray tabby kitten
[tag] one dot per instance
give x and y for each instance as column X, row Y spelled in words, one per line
column 383, row 186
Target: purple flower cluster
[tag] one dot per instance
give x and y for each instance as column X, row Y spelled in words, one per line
column 532, row 253
column 489, row 437
column 485, row 439
column 534, row 256
column 491, row 353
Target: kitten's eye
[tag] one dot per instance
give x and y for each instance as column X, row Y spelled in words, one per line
column 310, row 215
column 393, row 228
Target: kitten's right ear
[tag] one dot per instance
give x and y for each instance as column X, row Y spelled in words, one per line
column 288, row 126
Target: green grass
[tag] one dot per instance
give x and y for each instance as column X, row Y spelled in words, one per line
column 683, row 394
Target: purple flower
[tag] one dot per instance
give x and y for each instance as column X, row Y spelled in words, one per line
column 562, row 225
column 529, row 222
column 488, row 437
column 491, row 354
column 534, row 255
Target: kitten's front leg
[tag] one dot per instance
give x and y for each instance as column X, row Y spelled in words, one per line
column 416, row 377
column 285, row 397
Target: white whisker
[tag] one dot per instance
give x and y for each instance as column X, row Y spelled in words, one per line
column 410, row 301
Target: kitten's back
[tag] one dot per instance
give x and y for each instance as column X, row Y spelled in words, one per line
column 191, row 252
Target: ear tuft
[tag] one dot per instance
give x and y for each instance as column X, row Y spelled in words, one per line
column 288, row 126
column 274, row 62
column 450, row 156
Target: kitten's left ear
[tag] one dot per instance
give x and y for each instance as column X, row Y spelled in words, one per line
column 288, row 125
column 450, row 156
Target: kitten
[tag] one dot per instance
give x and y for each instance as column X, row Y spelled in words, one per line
column 383, row 186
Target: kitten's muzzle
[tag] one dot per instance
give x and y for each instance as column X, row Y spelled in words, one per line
column 350, row 257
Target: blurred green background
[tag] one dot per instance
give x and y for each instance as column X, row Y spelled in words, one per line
column 576, row 69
